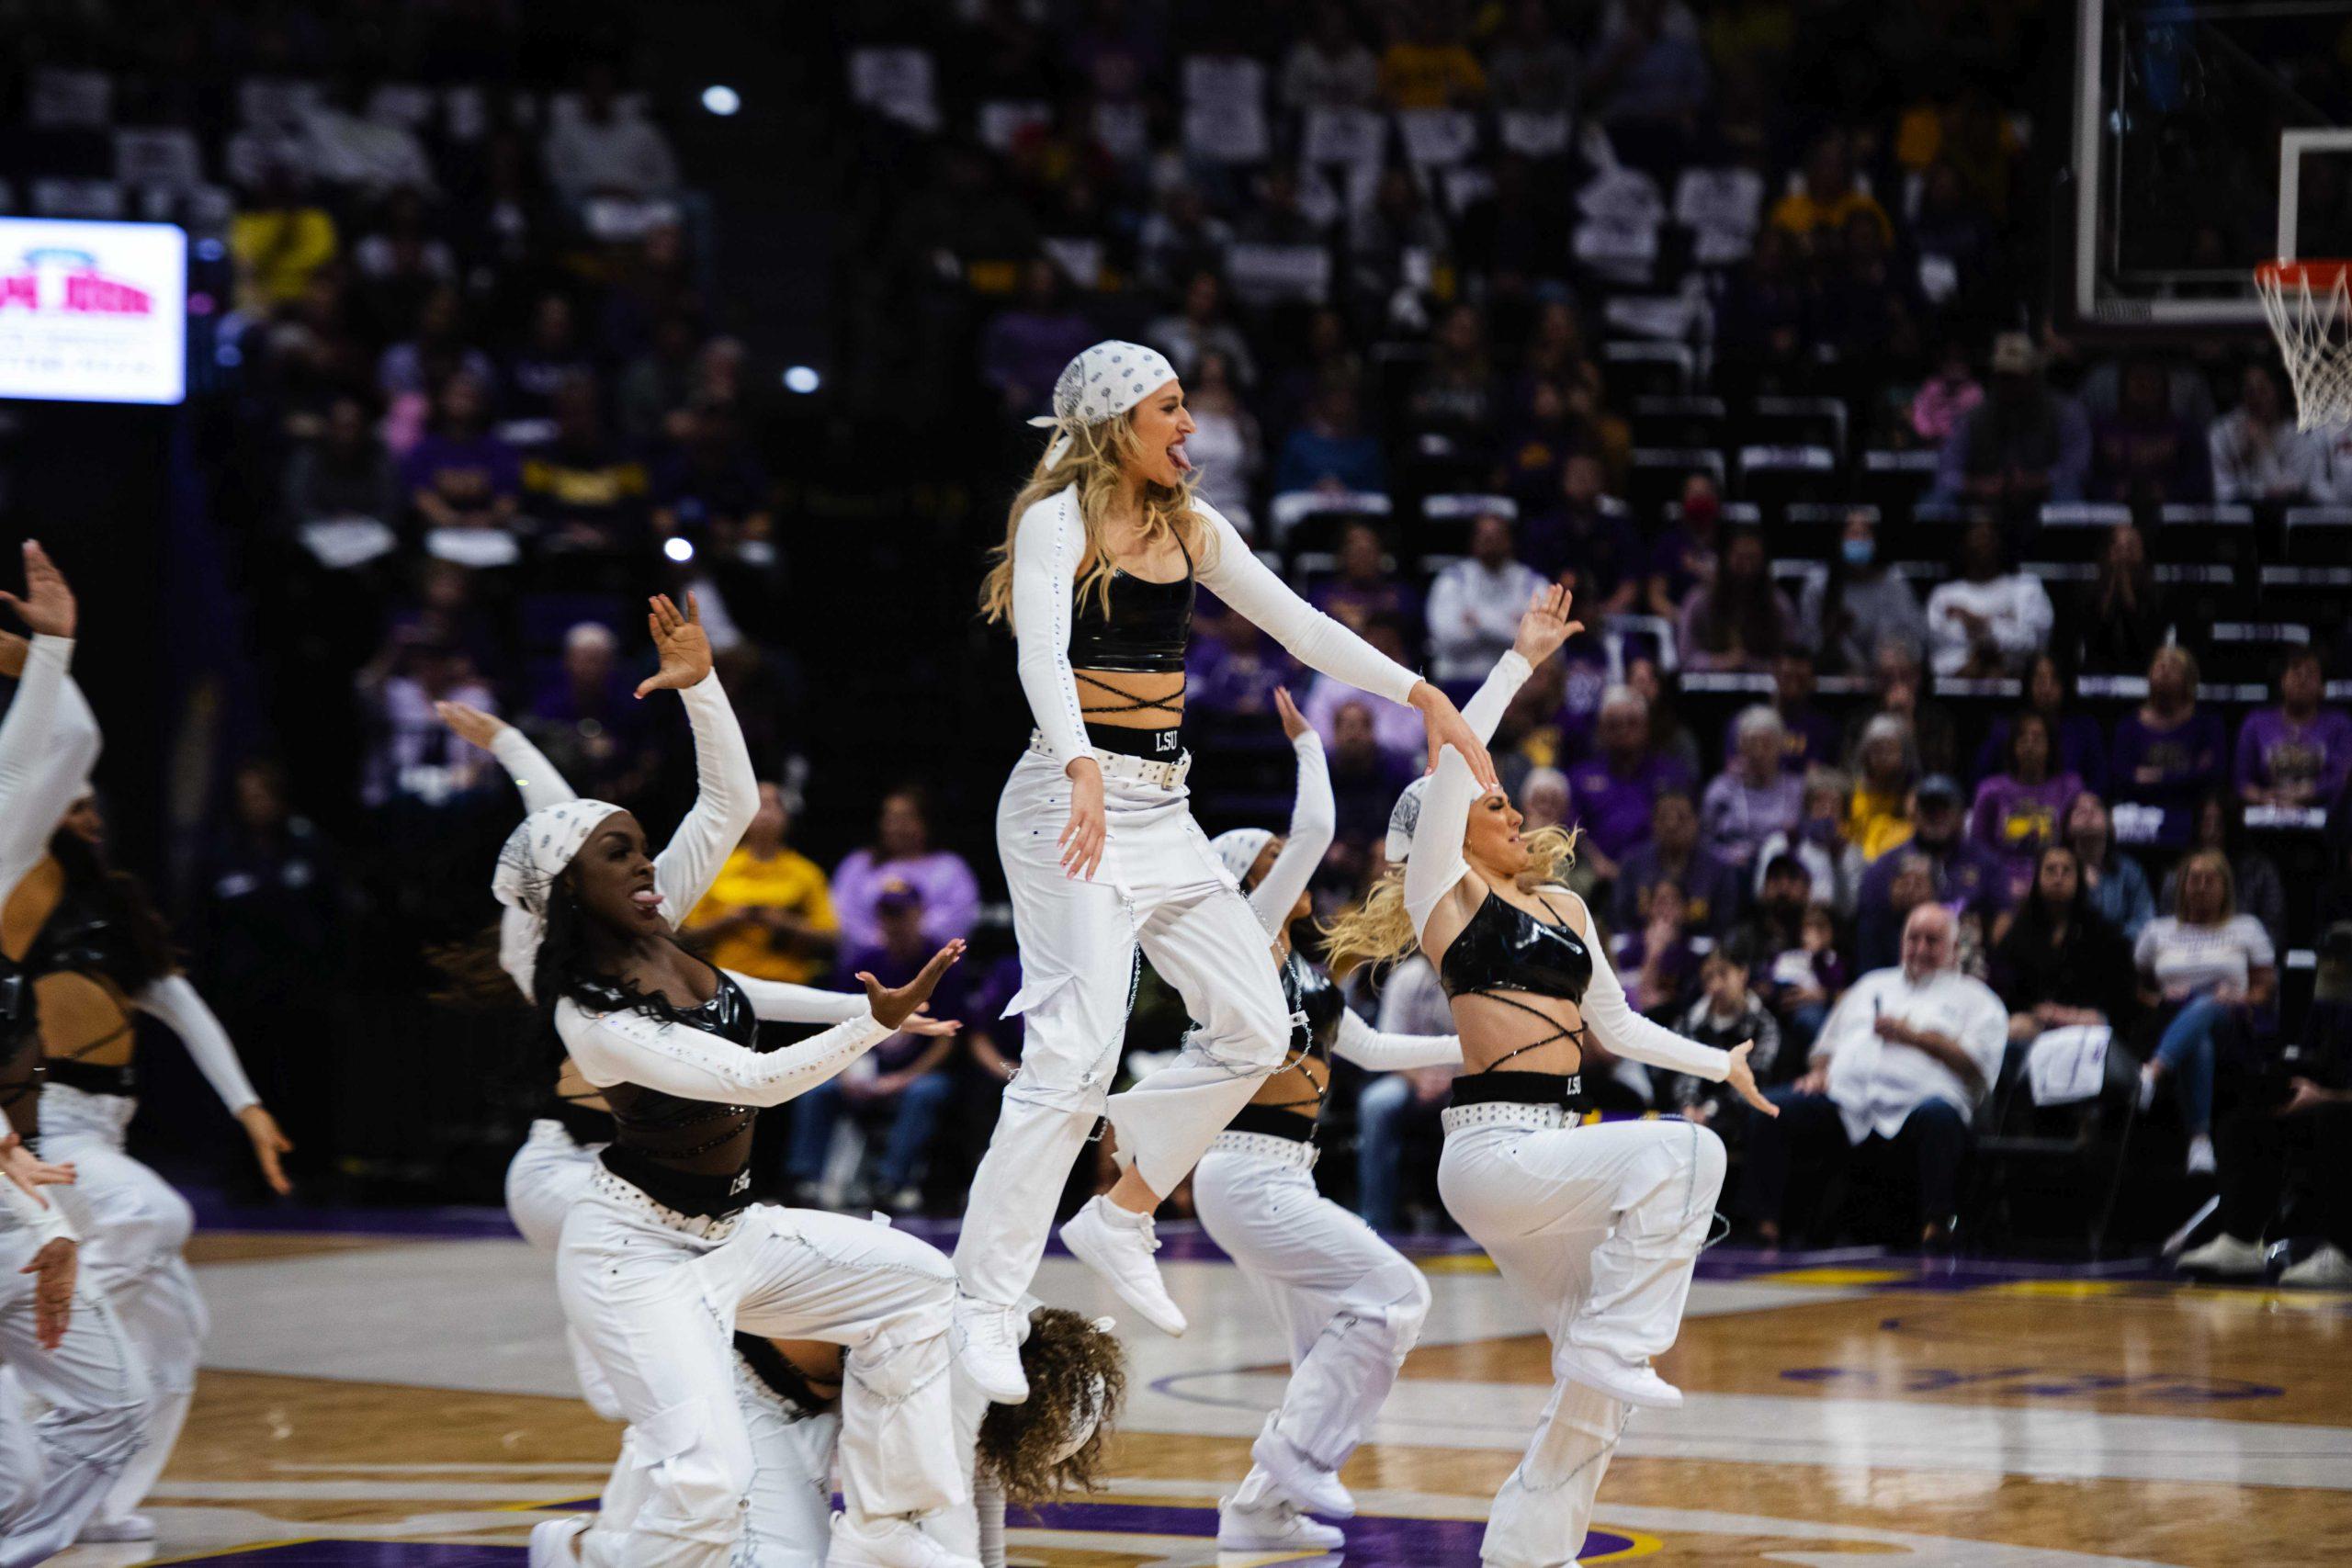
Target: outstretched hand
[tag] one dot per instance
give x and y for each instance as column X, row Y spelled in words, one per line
column 270, row 1146
column 679, row 638
column 53, row 1269
column 47, row 606
column 28, row 1170
column 1545, row 625
column 1742, row 1079
column 891, row 1006
column 1294, row 722
column 467, row 723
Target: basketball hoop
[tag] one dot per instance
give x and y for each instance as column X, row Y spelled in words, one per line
column 2311, row 313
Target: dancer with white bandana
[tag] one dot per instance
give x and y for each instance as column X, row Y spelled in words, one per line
column 1353, row 1305
column 1104, row 549
column 1594, row 1228
column 663, row 1255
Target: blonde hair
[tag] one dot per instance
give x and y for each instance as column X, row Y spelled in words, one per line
column 1095, row 467
column 1378, row 930
column 2221, row 864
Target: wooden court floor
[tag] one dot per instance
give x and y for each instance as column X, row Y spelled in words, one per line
column 403, row 1400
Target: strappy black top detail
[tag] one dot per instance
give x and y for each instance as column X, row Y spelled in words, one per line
column 1314, row 1009
column 1505, row 949
column 82, row 936
column 1144, row 630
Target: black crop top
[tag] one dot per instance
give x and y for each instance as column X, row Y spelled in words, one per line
column 1316, row 1006
column 691, row 1154
column 1145, row 629
column 1504, row 948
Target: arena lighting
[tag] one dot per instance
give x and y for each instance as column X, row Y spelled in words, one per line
column 679, row 551
column 802, row 378
column 721, row 100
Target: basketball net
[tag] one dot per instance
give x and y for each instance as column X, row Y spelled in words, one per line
column 2310, row 314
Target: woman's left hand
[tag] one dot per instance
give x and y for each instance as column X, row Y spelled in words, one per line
column 269, row 1146
column 1742, row 1077
column 685, row 651
column 1448, row 727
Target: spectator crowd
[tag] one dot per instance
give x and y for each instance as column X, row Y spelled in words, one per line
column 1955, row 695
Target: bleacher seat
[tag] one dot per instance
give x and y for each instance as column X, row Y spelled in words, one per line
column 1667, row 369
column 1300, row 519
column 1930, row 532
column 1798, row 421
column 1677, row 420
column 2196, row 534
column 2077, row 530
column 1810, row 530
column 1657, row 472
column 2248, row 652
column 1781, row 476
column 1445, row 519
column 1896, row 480
column 2316, row 536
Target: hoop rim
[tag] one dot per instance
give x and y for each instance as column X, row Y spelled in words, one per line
column 2288, row 271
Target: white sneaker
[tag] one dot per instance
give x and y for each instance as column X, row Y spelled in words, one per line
column 2327, row 1267
column 1271, row 1526
column 1633, row 1382
column 552, row 1542
column 1120, row 1250
column 2227, row 1256
column 987, row 1341
column 1299, row 1479
column 98, row 1531
column 2200, row 1156
column 889, row 1543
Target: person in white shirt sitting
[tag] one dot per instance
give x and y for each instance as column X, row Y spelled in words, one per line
column 1988, row 620
column 1475, row 604
column 1905, row 1056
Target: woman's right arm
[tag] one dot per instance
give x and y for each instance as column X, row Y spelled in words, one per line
column 1045, row 551
column 1314, row 823
column 48, row 744
column 533, row 774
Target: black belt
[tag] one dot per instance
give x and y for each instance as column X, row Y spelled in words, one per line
column 1563, row 1089
column 1273, row 1123
column 92, row 1079
column 1152, row 745
column 689, row 1192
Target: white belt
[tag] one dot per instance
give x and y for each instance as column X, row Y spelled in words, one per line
column 629, row 1195
column 1506, row 1113
column 1119, row 765
column 1286, row 1151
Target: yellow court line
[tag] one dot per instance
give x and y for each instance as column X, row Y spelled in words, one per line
column 1832, row 1276
column 1642, row 1546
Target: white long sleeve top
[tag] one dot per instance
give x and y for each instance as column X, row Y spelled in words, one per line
column 48, row 744
column 1047, row 546
column 1437, row 863
column 19, row 1210
column 1877, row 1084
column 777, row 1001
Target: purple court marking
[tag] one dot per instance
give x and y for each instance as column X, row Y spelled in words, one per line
column 1372, row 1543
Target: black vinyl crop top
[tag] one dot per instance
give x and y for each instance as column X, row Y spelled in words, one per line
column 691, row 1154
column 1502, row 949
column 1143, row 630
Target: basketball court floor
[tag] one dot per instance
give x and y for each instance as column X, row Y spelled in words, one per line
column 393, row 1393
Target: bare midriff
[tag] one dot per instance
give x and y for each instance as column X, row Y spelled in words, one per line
column 1297, row 1088
column 1492, row 1029
column 1131, row 699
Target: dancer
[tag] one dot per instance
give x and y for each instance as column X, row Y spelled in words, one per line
column 1106, row 548
column 1596, row 1227
column 663, row 1254
column 87, row 937
column 1352, row 1303
column 58, row 1334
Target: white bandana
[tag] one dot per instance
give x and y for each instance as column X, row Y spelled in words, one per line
column 1237, row 848
column 534, row 855
column 1403, row 818
column 1101, row 383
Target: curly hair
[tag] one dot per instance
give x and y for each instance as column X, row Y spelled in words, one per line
column 1076, row 1371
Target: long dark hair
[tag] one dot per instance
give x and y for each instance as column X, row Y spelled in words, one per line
column 1742, row 610
column 475, row 980
column 146, row 956
column 2038, row 925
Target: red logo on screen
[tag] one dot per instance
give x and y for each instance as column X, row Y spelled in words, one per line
column 54, row 281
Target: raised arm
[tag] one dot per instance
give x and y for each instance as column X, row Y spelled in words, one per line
column 1436, row 862
column 1045, row 551
column 1314, row 823
column 534, row 775
column 49, row 742
column 1318, row 641
column 1543, row 627
column 728, row 796
column 1377, row 1052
